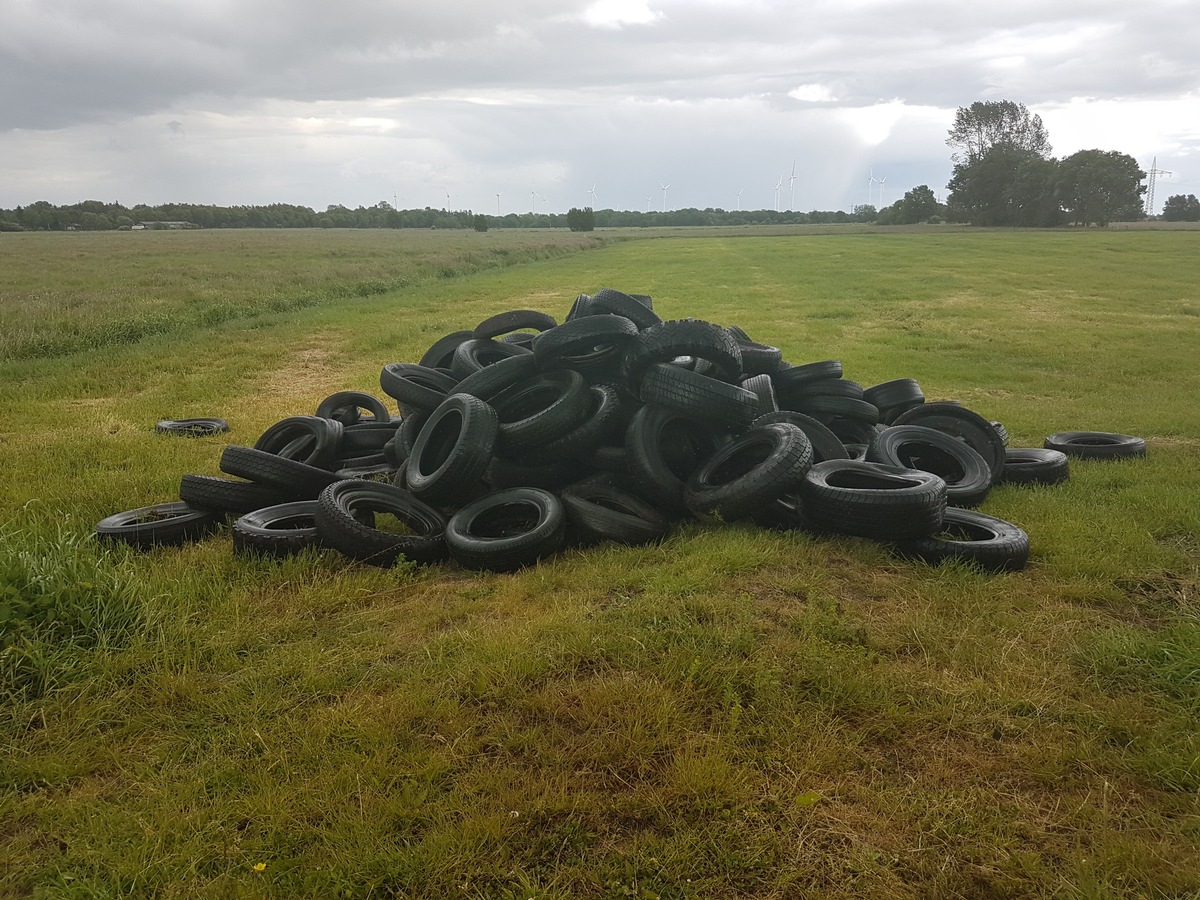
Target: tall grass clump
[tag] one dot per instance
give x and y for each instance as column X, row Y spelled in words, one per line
column 59, row 594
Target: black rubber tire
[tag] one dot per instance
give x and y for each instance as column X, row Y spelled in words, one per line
column 827, row 408
column 663, row 448
column 1096, row 444
column 192, row 427
column 513, row 320
column 666, row 341
column 600, row 512
column 491, row 380
column 225, row 495
column 473, row 355
column 967, row 475
column 580, row 308
column 763, row 389
column 347, row 406
column 281, row 530
column 757, row 359
column 606, row 300
column 452, row 451
column 900, row 392
column 415, row 387
column 604, row 421
column 300, row 481
column 551, row 476
column 750, row 473
column 796, row 377
column 1035, row 465
column 825, row 444
column 540, row 410
column 439, row 355
column 962, row 423
column 163, row 524
column 507, row 530
column 1002, row 431
column 586, row 343
column 367, row 436
column 342, row 507
column 699, row 396
column 992, row 544
column 824, row 387
column 312, row 440
column 873, row 500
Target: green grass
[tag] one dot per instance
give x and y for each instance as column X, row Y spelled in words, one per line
column 732, row 713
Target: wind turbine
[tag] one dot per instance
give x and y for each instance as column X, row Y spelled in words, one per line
column 870, row 186
column 447, row 200
column 595, row 199
column 739, row 200
column 778, row 189
column 664, row 189
column 881, row 182
column 792, row 185
column 498, row 193
column 648, row 200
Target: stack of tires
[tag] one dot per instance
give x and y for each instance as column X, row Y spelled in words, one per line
column 522, row 436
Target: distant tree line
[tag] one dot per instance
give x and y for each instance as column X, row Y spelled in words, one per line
column 1004, row 175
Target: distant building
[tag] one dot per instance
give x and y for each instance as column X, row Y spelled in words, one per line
column 164, row 226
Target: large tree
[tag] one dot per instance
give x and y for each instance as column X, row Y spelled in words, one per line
column 919, row 205
column 1006, row 186
column 996, row 123
column 1098, row 186
column 1181, row 208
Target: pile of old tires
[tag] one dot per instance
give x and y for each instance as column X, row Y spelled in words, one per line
column 523, row 436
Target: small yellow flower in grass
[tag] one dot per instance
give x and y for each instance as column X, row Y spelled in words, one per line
column 260, row 867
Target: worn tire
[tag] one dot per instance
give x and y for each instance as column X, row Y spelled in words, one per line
column 415, row 387
column 540, row 410
column 666, row 341
column 825, row 444
column 343, row 507
column 967, row 475
column 663, row 448
column 750, row 473
column 1035, row 465
column 300, row 481
column 1096, row 444
column 698, row 396
column 962, row 423
column 507, row 530
column 192, row 427
column 226, row 495
column 347, row 406
column 601, row 512
column 513, row 320
column 281, row 530
column 452, row 451
column 163, row 524
column 873, row 500
column 970, row 536
column 312, row 440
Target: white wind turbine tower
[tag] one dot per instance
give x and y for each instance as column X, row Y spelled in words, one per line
column 778, row 190
column 447, row 200
column 498, row 193
column 870, row 186
column 664, row 190
column 595, row 199
column 648, row 201
column 881, row 183
column 739, row 200
column 792, row 185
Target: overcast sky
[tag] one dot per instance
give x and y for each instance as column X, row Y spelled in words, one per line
column 319, row 102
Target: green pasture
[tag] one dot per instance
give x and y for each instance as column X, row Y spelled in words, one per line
column 733, row 713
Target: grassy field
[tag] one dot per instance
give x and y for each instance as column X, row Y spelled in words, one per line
column 734, row 713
